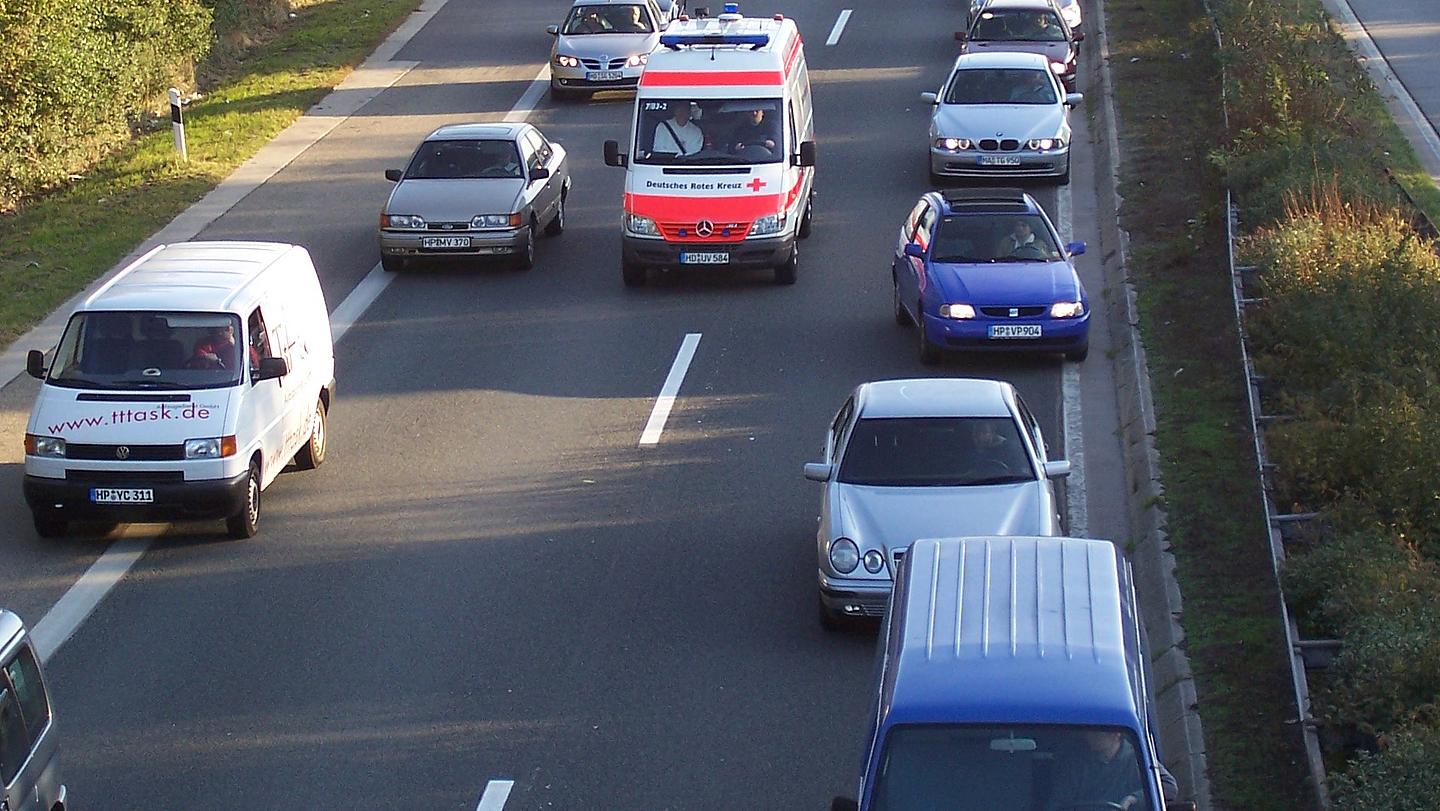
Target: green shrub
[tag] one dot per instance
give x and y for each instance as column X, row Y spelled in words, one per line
column 1404, row 775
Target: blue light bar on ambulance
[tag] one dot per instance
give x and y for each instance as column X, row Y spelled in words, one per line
column 730, row 8
column 678, row 41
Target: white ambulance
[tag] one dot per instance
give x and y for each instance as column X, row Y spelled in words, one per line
column 720, row 169
column 181, row 389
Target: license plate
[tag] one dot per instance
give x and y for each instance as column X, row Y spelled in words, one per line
column 444, row 242
column 999, row 160
column 1015, row 331
column 603, row 75
column 121, row 495
column 704, row 258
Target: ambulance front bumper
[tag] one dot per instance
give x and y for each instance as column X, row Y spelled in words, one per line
column 763, row 252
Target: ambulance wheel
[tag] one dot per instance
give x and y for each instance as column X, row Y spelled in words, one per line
column 634, row 275
column 525, row 256
column 786, row 272
column 312, row 454
column 804, row 230
column 49, row 526
column 244, row 523
column 392, row 264
column 557, row 225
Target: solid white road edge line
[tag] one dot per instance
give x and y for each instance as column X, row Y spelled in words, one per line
column 1077, row 506
column 495, row 795
column 75, row 605
column 661, row 412
column 839, row 27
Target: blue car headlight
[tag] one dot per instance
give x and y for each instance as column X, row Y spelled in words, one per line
column 1067, row 309
column 959, row 312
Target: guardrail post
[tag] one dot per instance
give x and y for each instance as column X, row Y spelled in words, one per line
column 177, row 124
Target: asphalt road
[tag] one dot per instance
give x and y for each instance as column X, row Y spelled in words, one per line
column 490, row 578
column 1407, row 32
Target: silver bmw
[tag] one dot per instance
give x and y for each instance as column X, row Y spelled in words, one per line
column 1001, row 114
column 924, row 458
column 603, row 45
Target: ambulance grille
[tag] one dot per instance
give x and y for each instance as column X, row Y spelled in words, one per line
column 722, row 231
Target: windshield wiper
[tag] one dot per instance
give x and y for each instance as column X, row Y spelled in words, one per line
column 81, row 383
column 957, row 259
column 1011, row 479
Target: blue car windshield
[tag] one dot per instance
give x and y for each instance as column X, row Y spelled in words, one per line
column 978, row 238
column 1010, row 768
column 935, row 452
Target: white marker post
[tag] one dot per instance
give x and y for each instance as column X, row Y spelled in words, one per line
column 177, row 125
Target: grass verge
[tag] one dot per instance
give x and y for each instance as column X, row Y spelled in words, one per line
column 57, row 245
column 1168, row 99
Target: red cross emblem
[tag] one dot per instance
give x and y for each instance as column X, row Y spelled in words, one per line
column 756, row 185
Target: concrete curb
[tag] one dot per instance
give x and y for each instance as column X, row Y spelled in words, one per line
column 1182, row 741
column 367, row 81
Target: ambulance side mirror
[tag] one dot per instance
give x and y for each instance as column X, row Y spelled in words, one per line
column 268, row 369
column 35, row 364
column 807, row 154
column 613, row 155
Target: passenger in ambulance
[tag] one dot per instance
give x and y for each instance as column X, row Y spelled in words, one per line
column 678, row 134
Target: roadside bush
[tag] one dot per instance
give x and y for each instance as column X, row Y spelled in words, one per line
column 74, row 73
column 1403, row 775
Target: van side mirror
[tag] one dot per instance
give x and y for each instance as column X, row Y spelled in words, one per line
column 552, row 30
column 1074, row 99
column 269, row 368
column 930, row 97
column 35, row 364
column 844, row 804
column 539, row 173
column 807, row 154
column 913, row 249
column 394, row 175
column 1075, row 248
column 613, row 155
column 1057, row 469
column 819, row 471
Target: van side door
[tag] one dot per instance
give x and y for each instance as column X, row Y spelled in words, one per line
column 27, row 747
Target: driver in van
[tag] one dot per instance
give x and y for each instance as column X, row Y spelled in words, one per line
column 678, row 135
column 1106, row 774
column 216, row 350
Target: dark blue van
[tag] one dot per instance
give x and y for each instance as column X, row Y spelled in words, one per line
column 1010, row 679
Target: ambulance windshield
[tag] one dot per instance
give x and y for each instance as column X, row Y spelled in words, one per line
column 149, row 350
column 709, row 132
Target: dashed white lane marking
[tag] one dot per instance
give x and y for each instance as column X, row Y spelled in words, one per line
column 495, row 794
column 669, row 390
column 839, row 27
column 75, row 605
column 1076, row 503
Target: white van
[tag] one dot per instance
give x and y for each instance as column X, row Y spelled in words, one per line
column 720, row 170
column 29, row 762
column 181, row 388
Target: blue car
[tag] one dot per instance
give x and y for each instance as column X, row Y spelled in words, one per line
column 985, row 270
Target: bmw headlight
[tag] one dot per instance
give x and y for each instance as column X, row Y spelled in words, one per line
column 874, row 561
column 1045, row 144
column 408, row 222
column 844, row 556
column 768, row 224
column 637, row 60
column 954, row 144
column 1067, row 309
column 49, row 446
column 641, row 226
column 959, row 312
column 495, row 221
column 564, row 61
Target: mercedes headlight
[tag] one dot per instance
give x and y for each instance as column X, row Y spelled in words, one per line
column 50, row 446
column 844, row 556
column 409, row 222
column 874, row 561
column 641, row 226
column 1067, row 309
column 768, row 224
column 959, row 312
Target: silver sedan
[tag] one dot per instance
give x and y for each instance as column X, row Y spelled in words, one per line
column 475, row 190
column 924, row 458
column 603, row 45
column 1001, row 115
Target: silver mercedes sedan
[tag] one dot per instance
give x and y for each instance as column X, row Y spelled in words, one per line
column 604, row 45
column 1001, row 115
column 924, row 458
column 475, row 190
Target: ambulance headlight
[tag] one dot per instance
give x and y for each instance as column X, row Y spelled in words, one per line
column 641, row 226
column 217, row 447
column 768, row 224
column 48, row 446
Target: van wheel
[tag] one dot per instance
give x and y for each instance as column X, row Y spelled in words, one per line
column 525, row 257
column 392, row 264
column 243, row 524
column 634, row 275
column 557, row 225
column 805, row 222
column 786, row 272
column 312, row 454
column 50, row 526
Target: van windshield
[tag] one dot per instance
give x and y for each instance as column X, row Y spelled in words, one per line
column 709, row 132
column 1010, row 768
column 146, row 350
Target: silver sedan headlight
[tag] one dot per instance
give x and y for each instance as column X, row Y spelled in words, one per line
column 636, row 60
column 954, row 144
column 1045, row 144
column 566, row 61
column 844, row 556
column 874, row 561
column 768, row 224
column 495, row 221
column 406, row 222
